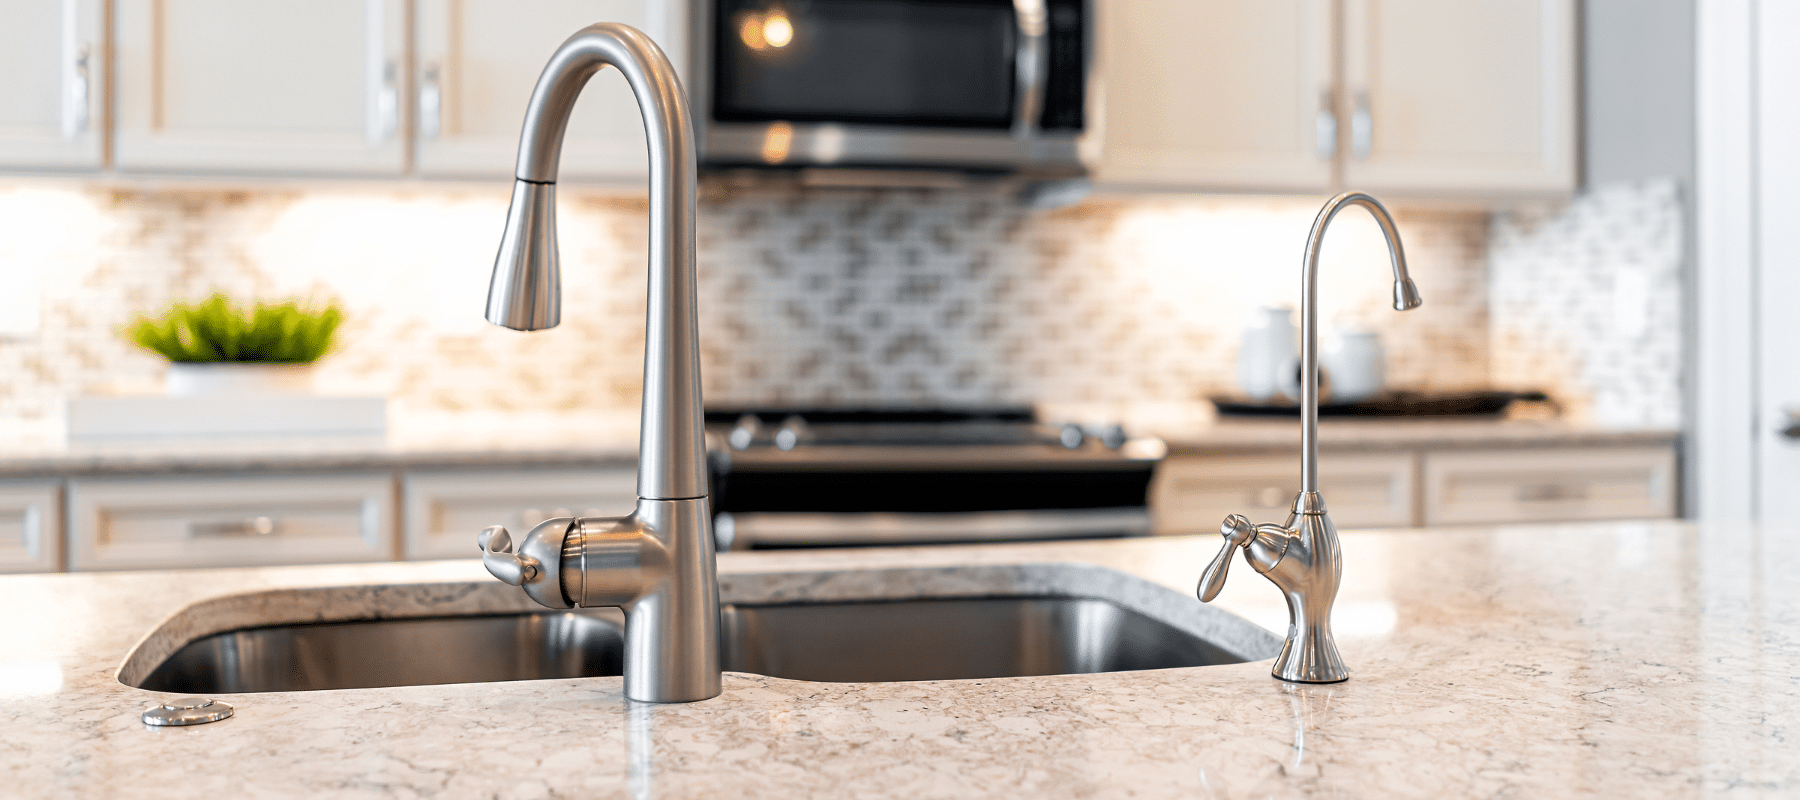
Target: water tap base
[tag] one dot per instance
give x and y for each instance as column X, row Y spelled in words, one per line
column 1311, row 657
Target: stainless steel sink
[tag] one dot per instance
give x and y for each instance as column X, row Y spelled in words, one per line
column 907, row 640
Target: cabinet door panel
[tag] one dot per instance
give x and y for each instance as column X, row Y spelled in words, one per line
column 274, row 86
column 31, row 530
column 53, row 59
column 478, row 61
column 445, row 510
column 1216, row 94
column 1549, row 485
column 143, row 523
column 1193, row 494
column 1459, row 97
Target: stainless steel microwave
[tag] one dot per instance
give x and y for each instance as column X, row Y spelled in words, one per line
column 980, row 85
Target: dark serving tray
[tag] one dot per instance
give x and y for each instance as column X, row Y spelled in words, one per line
column 1387, row 404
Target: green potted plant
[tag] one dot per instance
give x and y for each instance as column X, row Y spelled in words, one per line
column 217, row 347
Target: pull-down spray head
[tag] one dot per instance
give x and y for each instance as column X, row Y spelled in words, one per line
column 526, row 293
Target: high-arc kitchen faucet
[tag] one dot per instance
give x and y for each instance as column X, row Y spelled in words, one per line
column 1302, row 556
column 658, row 562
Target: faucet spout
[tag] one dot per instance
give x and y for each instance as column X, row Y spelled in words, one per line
column 1406, row 297
column 525, row 293
column 658, row 562
column 1302, row 557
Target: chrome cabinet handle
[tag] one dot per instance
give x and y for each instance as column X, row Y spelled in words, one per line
column 431, row 101
column 75, row 94
column 1325, row 128
column 383, row 92
column 253, row 526
column 1550, row 492
column 1030, row 64
column 1362, row 127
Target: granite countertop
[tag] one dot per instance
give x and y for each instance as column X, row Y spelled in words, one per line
column 1633, row 660
column 517, row 439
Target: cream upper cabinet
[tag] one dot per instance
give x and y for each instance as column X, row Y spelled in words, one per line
column 52, row 57
column 1216, row 94
column 266, row 87
column 477, row 62
column 1408, row 97
column 1453, row 97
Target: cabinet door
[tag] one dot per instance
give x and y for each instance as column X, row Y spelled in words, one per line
column 1506, row 486
column 445, row 510
column 273, row 86
column 1216, row 94
column 477, row 63
column 146, row 523
column 1193, row 494
column 31, row 527
column 1460, row 97
column 52, row 55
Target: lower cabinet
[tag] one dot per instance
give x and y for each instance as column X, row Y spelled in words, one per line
column 445, row 510
column 1549, row 485
column 31, row 526
column 140, row 523
column 1192, row 494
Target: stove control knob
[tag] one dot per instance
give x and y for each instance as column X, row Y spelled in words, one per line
column 1113, row 436
column 1072, row 436
column 791, row 434
column 743, row 434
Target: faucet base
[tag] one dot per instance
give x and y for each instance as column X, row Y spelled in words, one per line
column 1314, row 661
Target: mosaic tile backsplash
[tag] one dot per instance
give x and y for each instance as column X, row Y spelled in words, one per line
column 808, row 296
column 1586, row 300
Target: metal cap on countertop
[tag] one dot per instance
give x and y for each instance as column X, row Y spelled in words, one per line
column 186, row 711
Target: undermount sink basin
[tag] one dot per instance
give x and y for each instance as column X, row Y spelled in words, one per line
column 836, row 641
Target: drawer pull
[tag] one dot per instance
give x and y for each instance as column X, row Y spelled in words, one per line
column 254, row 526
column 1550, row 492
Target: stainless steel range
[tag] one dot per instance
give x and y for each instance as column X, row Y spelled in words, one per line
column 817, row 477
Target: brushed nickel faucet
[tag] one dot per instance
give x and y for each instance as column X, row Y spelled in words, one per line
column 657, row 563
column 1301, row 557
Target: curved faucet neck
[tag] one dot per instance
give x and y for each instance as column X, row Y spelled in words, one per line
column 671, row 446
column 1406, row 296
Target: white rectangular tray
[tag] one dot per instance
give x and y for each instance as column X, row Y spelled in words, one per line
column 156, row 417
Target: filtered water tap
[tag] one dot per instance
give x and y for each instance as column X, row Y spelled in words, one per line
column 1302, row 556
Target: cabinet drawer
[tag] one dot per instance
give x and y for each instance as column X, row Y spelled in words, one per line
column 1193, row 494
column 209, row 522
column 1549, row 485
column 30, row 526
column 444, row 510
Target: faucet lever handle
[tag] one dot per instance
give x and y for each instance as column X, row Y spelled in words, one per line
column 1238, row 532
column 498, row 556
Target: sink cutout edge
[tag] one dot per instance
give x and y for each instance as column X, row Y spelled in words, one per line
column 360, row 603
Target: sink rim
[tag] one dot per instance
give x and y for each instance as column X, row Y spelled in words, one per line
column 374, row 602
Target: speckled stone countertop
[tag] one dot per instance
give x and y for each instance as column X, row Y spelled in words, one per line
column 610, row 439
column 1632, row 660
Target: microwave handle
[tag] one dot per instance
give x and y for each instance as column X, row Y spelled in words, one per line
column 1030, row 64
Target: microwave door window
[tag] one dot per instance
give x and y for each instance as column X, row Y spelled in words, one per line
column 887, row 62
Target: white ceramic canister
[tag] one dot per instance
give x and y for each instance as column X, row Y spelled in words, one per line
column 1267, row 343
column 1357, row 363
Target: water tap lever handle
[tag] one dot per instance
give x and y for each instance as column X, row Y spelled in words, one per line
column 1238, row 532
column 498, row 556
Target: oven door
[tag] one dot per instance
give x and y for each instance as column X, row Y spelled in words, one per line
column 975, row 84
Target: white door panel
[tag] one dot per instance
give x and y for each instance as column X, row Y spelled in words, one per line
column 52, row 84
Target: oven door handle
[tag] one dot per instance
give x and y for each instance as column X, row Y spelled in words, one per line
column 1031, row 63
